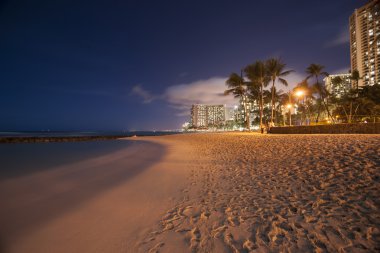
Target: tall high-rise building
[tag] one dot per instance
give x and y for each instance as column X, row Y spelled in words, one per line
column 365, row 42
column 203, row 116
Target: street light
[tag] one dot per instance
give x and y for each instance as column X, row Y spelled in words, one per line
column 299, row 94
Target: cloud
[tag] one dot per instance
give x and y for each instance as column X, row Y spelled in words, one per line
column 208, row 91
column 342, row 38
column 182, row 96
column 147, row 96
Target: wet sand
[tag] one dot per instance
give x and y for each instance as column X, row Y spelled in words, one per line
column 100, row 204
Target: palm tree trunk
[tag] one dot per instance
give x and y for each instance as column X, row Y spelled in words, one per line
column 272, row 105
column 327, row 110
column 275, row 114
column 350, row 116
column 261, row 107
column 245, row 111
column 247, row 117
column 318, row 113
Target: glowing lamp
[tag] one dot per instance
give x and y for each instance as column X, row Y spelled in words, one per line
column 299, row 93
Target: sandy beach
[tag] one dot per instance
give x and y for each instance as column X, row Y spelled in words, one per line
column 235, row 192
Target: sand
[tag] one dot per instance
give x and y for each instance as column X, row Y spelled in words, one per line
column 234, row 192
column 268, row 193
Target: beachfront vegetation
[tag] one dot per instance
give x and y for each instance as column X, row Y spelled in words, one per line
column 307, row 103
column 275, row 71
column 235, row 84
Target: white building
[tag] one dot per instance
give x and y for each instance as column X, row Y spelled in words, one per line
column 199, row 116
column 204, row 116
column 364, row 42
column 216, row 115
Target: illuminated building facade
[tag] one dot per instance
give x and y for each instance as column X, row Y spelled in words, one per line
column 365, row 42
column 231, row 113
column 216, row 115
column 203, row 116
column 338, row 90
column 199, row 116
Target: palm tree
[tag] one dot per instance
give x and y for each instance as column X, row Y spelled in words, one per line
column 253, row 91
column 355, row 76
column 275, row 70
column 235, row 84
column 277, row 102
column 336, row 81
column 283, row 100
column 257, row 74
column 308, row 97
column 316, row 70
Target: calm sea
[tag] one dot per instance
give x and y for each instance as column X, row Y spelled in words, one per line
column 66, row 134
column 20, row 159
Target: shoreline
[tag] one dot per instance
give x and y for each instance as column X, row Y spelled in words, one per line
column 34, row 139
column 212, row 192
column 107, row 199
column 58, row 139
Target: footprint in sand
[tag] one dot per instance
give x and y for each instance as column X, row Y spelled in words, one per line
column 195, row 238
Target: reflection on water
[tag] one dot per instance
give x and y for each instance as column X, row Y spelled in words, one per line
column 24, row 158
column 90, row 169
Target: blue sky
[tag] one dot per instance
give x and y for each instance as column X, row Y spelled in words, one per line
column 127, row 65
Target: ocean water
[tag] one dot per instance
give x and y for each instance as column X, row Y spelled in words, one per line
column 95, row 133
column 18, row 159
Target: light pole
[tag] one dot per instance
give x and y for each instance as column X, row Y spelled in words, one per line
column 289, row 106
column 299, row 94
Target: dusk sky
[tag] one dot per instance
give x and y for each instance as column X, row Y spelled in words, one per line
column 139, row 65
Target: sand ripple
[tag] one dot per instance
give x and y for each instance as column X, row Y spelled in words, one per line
column 295, row 193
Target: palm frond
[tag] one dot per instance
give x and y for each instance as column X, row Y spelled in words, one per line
column 283, row 81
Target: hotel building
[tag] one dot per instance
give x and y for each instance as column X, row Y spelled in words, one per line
column 338, row 90
column 203, row 116
column 365, row 42
column 199, row 116
column 216, row 115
